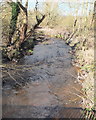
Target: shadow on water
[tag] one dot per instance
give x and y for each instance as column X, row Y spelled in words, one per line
column 49, row 85
column 42, row 112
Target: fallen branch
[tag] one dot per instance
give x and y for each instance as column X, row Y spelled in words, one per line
column 14, row 79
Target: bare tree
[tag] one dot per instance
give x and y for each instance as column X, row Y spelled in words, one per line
column 19, row 25
column 38, row 19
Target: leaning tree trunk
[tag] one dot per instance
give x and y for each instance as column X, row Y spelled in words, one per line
column 18, row 28
column 13, row 22
column 38, row 20
column 23, row 22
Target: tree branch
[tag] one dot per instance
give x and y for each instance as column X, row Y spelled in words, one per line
column 22, row 7
column 26, row 5
column 38, row 22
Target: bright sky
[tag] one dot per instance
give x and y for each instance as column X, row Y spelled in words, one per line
column 65, row 6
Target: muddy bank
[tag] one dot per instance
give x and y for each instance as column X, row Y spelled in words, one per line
column 51, row 89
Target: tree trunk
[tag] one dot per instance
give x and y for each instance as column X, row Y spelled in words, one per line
column 18, row 28
column 23, row 22
column 13, row 22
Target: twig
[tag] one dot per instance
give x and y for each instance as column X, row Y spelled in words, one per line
column 13, row 78
column 71, row 75
column 68, row 38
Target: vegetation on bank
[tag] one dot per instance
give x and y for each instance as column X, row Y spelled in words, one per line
column 15, row 31
column 19, row 23
column 78, row 32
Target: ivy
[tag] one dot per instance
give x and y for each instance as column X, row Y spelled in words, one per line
column 13, row 22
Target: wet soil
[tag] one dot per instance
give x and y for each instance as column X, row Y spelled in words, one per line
column 50, row 89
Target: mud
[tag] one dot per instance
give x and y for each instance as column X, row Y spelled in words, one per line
column 51, row 89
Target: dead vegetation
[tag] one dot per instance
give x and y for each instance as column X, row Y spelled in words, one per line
column 77, row 31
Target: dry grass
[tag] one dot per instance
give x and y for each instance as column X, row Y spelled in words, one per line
column 83, row 52
column 63, row 27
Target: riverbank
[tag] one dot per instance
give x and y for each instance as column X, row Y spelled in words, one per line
column 43, row 85
column 30, row 68
column 82, row 50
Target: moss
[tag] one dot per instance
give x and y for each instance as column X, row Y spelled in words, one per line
column 13, row 22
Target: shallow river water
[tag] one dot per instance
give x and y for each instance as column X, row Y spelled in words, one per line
column 51, row 89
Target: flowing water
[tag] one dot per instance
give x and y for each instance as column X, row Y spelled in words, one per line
column 51, row 89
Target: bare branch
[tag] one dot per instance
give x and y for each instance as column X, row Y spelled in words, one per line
column 22, row 7
column 19, row 1
column 26, row 5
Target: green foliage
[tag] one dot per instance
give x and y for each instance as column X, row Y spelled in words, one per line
column 30, row 51
column 13, row 22
column 15, row 9
column 59, row 36
column 90, row 67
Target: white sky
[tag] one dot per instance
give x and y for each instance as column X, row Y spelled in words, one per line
column 56, row 0
column 64, row 7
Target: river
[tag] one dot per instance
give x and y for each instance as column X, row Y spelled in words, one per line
column 50, row 89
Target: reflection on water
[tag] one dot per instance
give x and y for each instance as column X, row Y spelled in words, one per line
column 51, row 89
